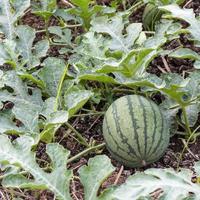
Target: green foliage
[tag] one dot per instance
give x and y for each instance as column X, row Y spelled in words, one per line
column 45, row 8
column 9, row 14
column 41, row 91
column 174, row 185
column 21, row 51
column 187, row 15
column 93, row 175
column 51, row 74
column 152, row 14
column 20, row 154
column 114, row 27
column 84, row 11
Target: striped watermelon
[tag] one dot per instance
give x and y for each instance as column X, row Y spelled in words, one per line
column 150, row 16
column 135, row 131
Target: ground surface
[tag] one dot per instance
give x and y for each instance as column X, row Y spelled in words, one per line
column 91, row 127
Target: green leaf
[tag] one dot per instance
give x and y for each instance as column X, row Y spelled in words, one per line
column 94, row 174
column 45, row 8
column 91, row 51
column 26, row 36
column 54, row 119
column 197, row 64
column 185, row 53
column 197, row 168
column 58, row 117
column 192, row 114
column 84, row 11
column 26, row 107
column 8, row 53
column 19, row 153
column 7, row 125
column 187, row 15
column 175, row 185
column 132, row 64
column 9, row 14
column 97, row 77
column 64, row 35
column 51, row 74
column 114, row 27
column 165, row 31
column 74, row 100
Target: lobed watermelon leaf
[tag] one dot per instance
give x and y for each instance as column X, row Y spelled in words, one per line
column 10, row 11
column 21, row 52
column 74, row 100
column 26, row 107
column 93, row 175
column 31, row 54
column 45, row 8
column 187, row 15
column 114, row 28
column 51, row 73
column 84, row 11
column 173, row 185
column 19, row 154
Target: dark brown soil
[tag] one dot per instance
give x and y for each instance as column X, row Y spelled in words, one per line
column 91, row 127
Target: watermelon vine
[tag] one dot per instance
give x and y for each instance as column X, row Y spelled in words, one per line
column 95, row 96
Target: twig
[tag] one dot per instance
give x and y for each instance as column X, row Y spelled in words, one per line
column 161, row 69
column 86, row 151
column 135, row 7
column 74, row 190
column 188, row 149
column 2, row 196
column 165, row 64
column 95, row 121
column 82, row 140
column 118, row 175
column 67, row 3
column 190, row 1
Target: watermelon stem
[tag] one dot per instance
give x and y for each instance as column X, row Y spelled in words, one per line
column 86, row 151
column 187, row 125
column 88, row 114
column 81, row 139
column 144, row 164
column 135, row 7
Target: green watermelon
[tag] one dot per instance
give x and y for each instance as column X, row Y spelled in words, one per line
column 150, row 16
column 135, row 131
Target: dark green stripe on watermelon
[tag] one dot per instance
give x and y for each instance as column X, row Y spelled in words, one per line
column 160, row 141
column 135, row 131
column 118, row 147
column 130, row 106
column 123, row 137
column 155, row 127
column 145, row 125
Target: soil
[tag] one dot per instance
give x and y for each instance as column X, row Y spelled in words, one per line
column 91, row 127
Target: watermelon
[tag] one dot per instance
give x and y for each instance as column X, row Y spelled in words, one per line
column 150, row 16
column 135, row 131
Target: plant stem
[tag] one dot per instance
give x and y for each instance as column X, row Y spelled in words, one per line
column 86, row 151
column 63, row 27
column 187, row 126
column 186, row 144
column 46, row 29
column 88, row 114
column 60, row 88
column 190, row 102
column 122, row 90
column 135, row 7
column 81, row 139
